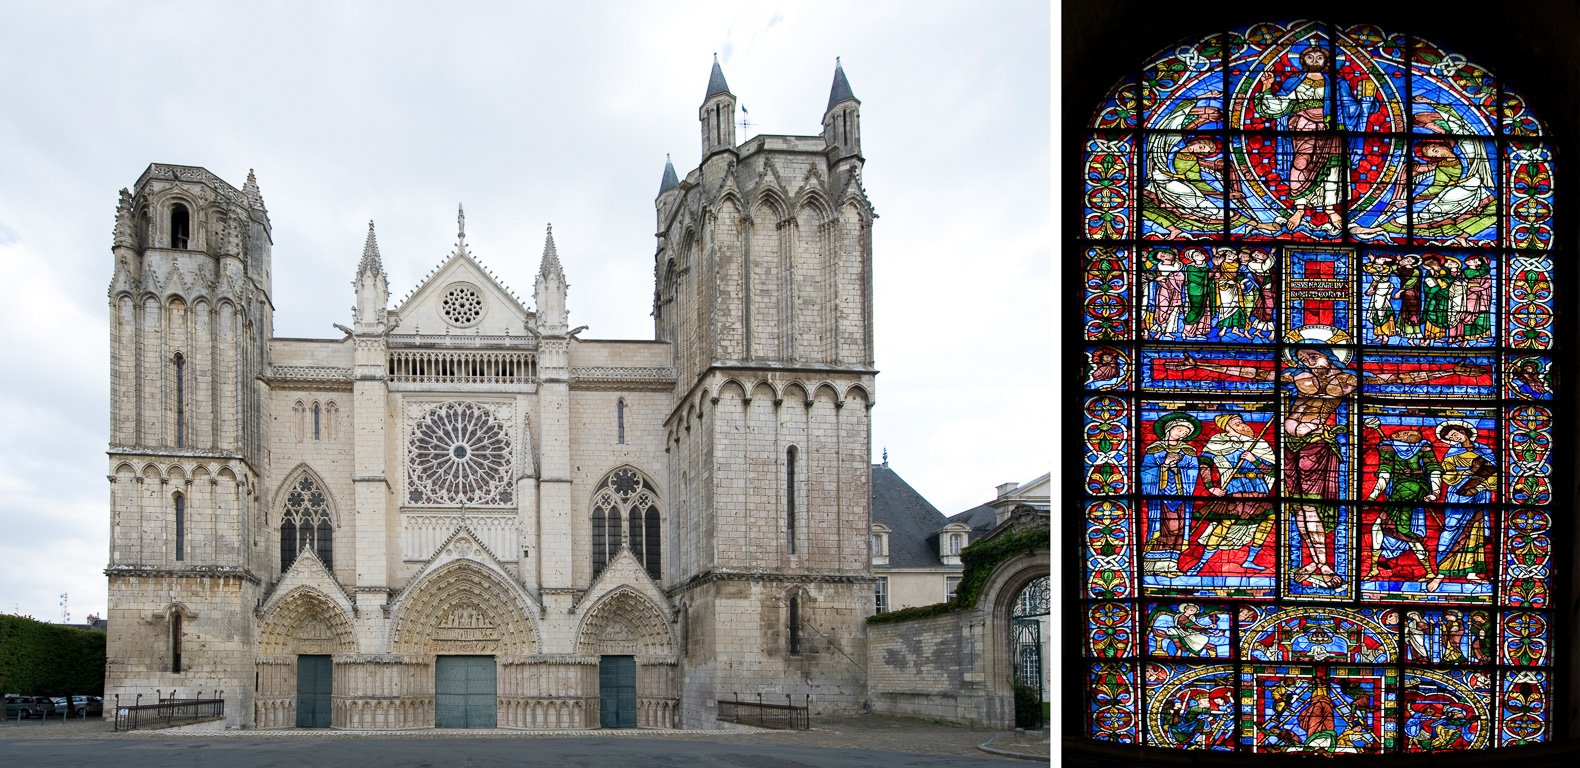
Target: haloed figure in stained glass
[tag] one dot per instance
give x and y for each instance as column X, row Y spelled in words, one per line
column 1452, row 198
column 1169, row 468
column 1470, row 476
column 1187, row 187
column 1312, row 164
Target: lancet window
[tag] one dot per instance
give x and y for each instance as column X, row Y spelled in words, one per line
column 1319, row 399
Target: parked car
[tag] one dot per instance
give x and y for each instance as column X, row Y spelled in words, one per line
column 82, row 706
column 24, row 707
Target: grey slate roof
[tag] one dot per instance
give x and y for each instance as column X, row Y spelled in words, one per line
column 716, row 84
column 981, row 519
column 670, row 179
column 841, row 89
column 910, row 518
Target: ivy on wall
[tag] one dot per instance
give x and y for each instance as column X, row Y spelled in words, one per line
column 979, row 559
column 39, row 659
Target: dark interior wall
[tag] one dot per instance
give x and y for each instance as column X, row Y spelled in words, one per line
column 1532, row 45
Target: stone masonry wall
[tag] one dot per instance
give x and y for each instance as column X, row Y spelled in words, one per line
column 925, row 667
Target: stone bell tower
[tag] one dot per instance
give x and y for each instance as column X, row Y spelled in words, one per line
column 190, row 320
column 763, row 284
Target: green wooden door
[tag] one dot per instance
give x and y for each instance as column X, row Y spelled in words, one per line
column 314, row 681
column 617, row 691
column 464, row 692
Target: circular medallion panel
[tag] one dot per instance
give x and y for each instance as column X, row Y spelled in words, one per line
column 462, row 305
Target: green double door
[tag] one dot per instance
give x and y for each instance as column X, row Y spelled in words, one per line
column 617, row 691
column 465, row 689
column 314, row 681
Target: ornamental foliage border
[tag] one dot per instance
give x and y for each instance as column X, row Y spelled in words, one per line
column 979, row 559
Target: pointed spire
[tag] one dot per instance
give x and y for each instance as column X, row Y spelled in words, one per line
column 551, row 258
column 460, row 226
column 841, row 90
column 250, row 191
column 716, row 84
column 670, row 179
column 372, row 263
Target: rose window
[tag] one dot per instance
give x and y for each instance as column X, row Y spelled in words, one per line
column 459, row 454
column 462, row 306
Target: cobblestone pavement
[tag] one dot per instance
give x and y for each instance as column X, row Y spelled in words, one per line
column 864, row 732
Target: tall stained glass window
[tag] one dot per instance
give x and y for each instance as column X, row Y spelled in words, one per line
column 1319, row 399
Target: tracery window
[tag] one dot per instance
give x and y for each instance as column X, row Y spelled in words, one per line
column 460, row 453
column 625, row 514
column 1319, row 403
column 305, row 524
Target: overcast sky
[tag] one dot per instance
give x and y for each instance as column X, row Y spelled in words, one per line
column 529, row 113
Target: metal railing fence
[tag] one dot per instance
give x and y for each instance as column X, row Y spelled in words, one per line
column 765, row 715
column 165, row 712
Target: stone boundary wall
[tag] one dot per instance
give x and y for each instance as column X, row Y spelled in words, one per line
column 929, row 667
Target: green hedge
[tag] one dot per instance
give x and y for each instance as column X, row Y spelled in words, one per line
column 39, row 659
column 979, row 559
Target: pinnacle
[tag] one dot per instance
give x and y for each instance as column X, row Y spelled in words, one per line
column 551, row 257
column 372, row 263
column 250, row 190
column 716, row 84
column 670, row 179
column 841, row 90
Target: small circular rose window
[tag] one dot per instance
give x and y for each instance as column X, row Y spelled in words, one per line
column 462, row 306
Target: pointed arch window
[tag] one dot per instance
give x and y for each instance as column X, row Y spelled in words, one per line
column 625, row 513
column 619, row 417
column 318, row 420
column 306, row 524
column 1317, row 294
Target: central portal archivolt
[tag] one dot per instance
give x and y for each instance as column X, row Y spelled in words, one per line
column 464, row 608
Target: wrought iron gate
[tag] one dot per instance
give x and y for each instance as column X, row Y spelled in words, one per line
column 1031, row 609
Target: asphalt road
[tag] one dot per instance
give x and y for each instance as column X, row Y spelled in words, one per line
column 471, row 753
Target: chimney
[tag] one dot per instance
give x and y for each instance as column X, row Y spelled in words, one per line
column 1005, row 489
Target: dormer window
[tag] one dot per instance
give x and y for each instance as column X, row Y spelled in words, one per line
column 879, row 544
column 180, row 226
column 951, row 540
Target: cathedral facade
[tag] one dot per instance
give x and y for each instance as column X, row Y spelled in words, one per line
column 462, row 514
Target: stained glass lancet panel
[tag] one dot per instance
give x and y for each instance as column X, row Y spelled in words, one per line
column 1317, row 433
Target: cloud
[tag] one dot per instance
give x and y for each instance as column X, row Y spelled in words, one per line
column 528, row 113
